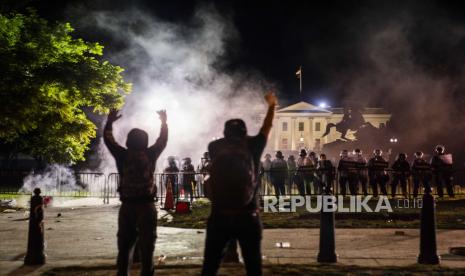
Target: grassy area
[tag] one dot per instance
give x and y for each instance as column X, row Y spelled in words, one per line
column 450, row 215
column 311, row 269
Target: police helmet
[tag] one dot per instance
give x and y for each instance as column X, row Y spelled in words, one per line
column 402, row 156
column 440, row 149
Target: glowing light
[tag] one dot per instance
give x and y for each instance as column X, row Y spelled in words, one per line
column 393, row 140
column 323, row 105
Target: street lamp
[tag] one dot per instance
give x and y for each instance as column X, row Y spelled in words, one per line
column 323, row 105
column 393, row 140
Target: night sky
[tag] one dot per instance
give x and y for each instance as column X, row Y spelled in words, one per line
column 325, row 37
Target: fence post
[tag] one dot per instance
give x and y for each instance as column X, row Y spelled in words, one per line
column 35, row 244
column 327, row 250
column 428, row 248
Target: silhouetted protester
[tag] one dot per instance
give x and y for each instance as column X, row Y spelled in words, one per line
column 188, row 178
column 442, row 170
column 171, row 176
column 401, row 172
column 377, row 172
column 325, row 172
column 266, row 173
column 305, row 172
column 361, row 164
column 421, row 173
column 232, row 189
column 278, row 173
column 137, row 218
column 292, row 169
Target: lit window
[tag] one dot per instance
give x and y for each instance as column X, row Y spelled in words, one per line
column 317, row 126
column 301, row 126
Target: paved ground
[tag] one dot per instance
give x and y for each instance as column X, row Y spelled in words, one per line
column 87, row 236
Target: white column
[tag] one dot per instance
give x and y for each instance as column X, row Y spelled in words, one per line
column 277, row 132
column 292, row 133
column 310, row 142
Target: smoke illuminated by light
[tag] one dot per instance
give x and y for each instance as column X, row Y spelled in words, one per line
column 323, row 105
column 174, row 67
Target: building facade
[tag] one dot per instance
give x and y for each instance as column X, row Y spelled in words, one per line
column 302, row 125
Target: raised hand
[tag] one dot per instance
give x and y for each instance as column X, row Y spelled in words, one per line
column 163, row 116
column 271, row 99
column 113, row 116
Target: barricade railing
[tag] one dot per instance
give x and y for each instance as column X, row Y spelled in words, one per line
column 311, row 182
column 190, row 186
column 68, row 184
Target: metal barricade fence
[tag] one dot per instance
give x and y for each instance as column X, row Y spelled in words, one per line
column 184, row 186
column 67, row 184
column 310, row 183
column 95, row 184
column 12, row 180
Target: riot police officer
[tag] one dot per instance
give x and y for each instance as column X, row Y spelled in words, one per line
column 188, row 178
column 203, row 170
column 442, row 171
column 266, row 173
column 278, row 173
column 421, row 173
column 305, row 172
column 377, row 172
column 170, row 174
column 292, row 168
column 347, row 173
column 325, row 173
column 401, row 172
column 361, row 164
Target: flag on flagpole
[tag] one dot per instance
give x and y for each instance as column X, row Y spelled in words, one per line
column 299, row 76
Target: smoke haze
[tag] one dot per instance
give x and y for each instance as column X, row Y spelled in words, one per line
column 174, row 67
column 406, row 58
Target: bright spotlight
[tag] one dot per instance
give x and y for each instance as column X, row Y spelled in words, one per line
column 323, row 105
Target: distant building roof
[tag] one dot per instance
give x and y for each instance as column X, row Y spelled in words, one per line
column 304, row 107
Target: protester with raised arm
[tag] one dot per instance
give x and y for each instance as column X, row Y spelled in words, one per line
column 137, row 218
column 232, row 189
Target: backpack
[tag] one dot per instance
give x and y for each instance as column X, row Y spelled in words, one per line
column 137, row 176
column 232, row 177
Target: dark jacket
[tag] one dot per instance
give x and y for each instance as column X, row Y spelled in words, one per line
column 401, row 167
column 136, row 167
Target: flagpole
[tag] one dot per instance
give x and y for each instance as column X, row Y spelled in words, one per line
column 300, row 69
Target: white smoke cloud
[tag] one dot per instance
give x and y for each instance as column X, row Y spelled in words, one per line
column 421, row 102
column 177, row 71
column 55, row 178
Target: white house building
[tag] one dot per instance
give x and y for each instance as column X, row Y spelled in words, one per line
column 302, row 125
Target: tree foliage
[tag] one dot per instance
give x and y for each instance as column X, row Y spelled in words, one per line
column 47, row 78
